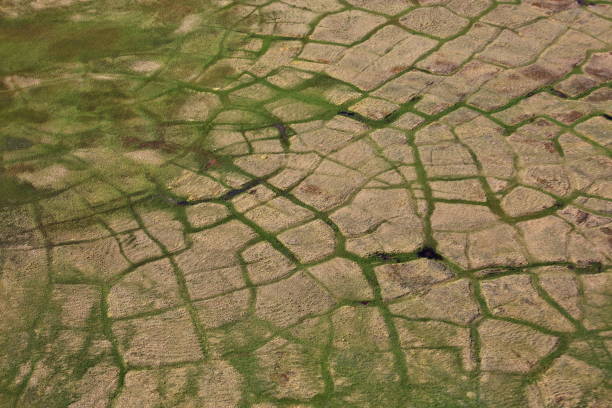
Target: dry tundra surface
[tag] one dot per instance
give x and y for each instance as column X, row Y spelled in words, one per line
column 305, row 203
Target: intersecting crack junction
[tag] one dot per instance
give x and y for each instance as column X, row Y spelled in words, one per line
column 305, row 203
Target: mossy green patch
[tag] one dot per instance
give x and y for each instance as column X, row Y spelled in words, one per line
column 14, row 143
column 31, row 44
column 13, row 191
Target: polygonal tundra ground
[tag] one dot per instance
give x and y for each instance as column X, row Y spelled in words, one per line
column 305, row 203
